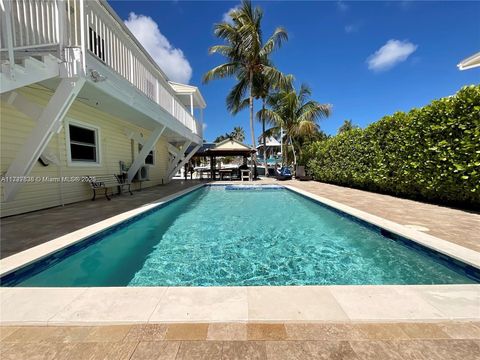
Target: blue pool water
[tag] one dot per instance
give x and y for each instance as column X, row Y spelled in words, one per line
column 218, row 236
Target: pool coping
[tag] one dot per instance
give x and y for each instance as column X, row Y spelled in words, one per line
column 113, row 305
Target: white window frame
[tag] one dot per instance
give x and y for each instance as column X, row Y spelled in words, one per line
column 154, row 158
column 98, row 136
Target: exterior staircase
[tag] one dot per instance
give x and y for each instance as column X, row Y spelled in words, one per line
column 27, row 70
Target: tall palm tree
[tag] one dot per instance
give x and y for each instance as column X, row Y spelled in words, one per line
column 246, row 54
column 295, row 113
column 263, row 87
column 238, row 133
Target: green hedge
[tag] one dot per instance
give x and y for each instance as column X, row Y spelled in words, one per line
column 432, row 153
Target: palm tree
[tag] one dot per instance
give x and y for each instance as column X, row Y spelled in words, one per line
column 238, row 133
column 263, row 89
column 347, row 126
column 296, row 114
column 246, row 53
column 221, row 138
column 263, row 86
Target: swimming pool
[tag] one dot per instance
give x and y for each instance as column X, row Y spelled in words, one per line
column 242, row 236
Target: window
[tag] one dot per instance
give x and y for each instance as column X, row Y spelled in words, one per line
column 149, row 160
column 83, row 144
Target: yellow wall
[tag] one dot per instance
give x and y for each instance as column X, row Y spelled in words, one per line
column 15, row 127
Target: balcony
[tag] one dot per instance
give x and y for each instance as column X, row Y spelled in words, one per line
column 45, row 39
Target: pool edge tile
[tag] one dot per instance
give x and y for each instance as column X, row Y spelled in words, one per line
column 293, row 303
column 128, row 305
column 393, row 303
column 33, row 306
column 202, row 304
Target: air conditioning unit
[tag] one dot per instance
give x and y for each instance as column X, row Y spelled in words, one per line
column 143, row 174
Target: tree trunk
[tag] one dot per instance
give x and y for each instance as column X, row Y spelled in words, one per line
column 264, row 139
column 252, row 130
column 294, row 154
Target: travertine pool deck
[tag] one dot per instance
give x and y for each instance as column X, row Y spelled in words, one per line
column 139, row 305
column 395, row 341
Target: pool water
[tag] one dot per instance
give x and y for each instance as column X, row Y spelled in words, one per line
column 219, row 237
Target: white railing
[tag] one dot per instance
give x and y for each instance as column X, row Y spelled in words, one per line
column 31, row 24
column 92, row 26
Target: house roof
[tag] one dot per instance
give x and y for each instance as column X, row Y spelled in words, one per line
column 232, row 144
column 271, row 141
column 227, row 147
column 470, row 62
column 184, row 90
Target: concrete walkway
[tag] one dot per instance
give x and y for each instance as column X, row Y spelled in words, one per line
column 24, row 231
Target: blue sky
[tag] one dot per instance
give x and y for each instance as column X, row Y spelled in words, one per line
column 367, row 59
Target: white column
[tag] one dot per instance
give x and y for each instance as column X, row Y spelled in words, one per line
column 191, row 104
column 183, row 162
column 9, row 35
column 48, row 123
column 147, row 147
column 178, row 155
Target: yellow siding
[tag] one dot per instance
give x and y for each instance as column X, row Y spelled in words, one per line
column 15, row 127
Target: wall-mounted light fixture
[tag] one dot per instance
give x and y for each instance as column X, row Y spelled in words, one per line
column 96, row 76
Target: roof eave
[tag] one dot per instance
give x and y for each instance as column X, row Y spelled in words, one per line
column 189, row 89
column 470, row 62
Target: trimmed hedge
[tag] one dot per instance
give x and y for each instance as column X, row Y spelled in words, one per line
column 432, row 153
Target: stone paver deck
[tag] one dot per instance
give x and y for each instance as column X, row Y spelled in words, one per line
column 393, row 341
column 24, row 231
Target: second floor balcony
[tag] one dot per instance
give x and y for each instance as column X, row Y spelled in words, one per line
column 90, row 40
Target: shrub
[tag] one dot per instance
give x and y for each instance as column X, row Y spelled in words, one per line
column 432, row 153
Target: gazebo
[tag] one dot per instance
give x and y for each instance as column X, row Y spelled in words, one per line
column 227, row 147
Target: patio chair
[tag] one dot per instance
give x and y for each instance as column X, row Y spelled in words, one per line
column 301, row 175
column 272, row 172
column 284, row 174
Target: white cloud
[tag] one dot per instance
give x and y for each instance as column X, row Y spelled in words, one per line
column 204, row 126
column 171, row 60
column 390, row 54
column 351, row 28
column 226, row 16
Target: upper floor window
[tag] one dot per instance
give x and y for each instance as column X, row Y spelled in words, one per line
column 149, row 160
column 83, row 144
